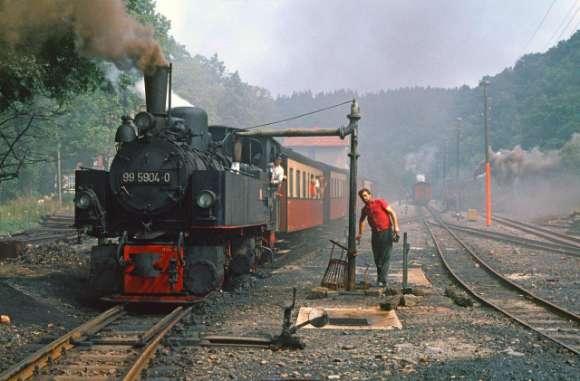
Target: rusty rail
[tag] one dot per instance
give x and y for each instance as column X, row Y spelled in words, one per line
column 39, row 359
column 525, row 296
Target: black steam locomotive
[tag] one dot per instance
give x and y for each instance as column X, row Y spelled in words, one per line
column 191, row 204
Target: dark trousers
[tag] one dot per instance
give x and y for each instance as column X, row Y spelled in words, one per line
column 382, row 243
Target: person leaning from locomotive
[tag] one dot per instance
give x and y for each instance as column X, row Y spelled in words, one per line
column 277, row 175
column 385, row 230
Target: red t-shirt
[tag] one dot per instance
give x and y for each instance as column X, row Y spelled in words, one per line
column 376, row 213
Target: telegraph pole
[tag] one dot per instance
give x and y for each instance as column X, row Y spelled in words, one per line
column 459, row 120
column 59, row 176
column 458, row 187
column 485, row 83
column 445, row 148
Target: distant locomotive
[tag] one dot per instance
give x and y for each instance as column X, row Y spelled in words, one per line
column 422, row 192
column 192, row 204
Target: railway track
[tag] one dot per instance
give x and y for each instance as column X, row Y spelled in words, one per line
column 492, row 288
column 530, row 243
column 539, row 231
column 51, row 228
column 113, row 345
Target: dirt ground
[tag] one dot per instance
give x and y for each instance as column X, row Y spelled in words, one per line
column 43, row 294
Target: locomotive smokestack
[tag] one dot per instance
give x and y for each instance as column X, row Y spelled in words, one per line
column 156, row 90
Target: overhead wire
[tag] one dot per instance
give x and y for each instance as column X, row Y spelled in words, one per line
column 568, row 24
column 301, row 115
column 540, row 24
column 569, row 13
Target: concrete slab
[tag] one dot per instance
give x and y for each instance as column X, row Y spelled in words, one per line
column 355, row 318
column 416, row 276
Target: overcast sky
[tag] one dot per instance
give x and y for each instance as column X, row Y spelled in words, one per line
column 368, row 45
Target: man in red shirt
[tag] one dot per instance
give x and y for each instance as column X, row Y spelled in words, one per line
column 383, row 222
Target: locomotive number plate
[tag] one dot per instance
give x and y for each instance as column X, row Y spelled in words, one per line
column 146, row 177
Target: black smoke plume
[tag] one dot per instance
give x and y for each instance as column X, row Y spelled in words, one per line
column 102, row 29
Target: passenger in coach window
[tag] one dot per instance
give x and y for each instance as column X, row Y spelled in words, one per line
column 317, row 187
column 385, row 230
column 312, row 187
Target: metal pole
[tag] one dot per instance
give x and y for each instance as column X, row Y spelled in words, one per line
column 406, row 248
column 457, row 150
column 354, row 116
column 286, row 132
column 59, row 176
column 445, row 152
column 487, row 164
column 458, row 187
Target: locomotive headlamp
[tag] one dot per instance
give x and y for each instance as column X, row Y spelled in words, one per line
column 144, row 121
column 205, row 199
column 83, row 201
column 126, row 131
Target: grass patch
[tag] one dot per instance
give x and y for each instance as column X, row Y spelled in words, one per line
column 25, row 212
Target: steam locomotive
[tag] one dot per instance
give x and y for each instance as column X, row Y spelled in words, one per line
column 185, row 219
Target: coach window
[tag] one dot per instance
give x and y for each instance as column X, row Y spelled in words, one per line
column 291, row 183
column 333, row 188
column 297, row 184
column 304, row 184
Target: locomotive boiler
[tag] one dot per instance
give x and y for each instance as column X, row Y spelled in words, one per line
column 173, row 217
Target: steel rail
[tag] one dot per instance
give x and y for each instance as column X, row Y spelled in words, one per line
column 532, row 298
column 29, row 366
column 533, row 244
column 148, row 352
column 540, row 232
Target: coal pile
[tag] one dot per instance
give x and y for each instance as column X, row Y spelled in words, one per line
column 57, row 255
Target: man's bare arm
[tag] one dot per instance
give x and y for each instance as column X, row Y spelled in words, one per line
column 361, row 225
column 394, row 218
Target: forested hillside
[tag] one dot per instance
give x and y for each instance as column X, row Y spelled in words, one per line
column 405, row 131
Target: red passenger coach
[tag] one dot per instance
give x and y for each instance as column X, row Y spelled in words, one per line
column 302, row 201
column 338, row 197
column 314, row 193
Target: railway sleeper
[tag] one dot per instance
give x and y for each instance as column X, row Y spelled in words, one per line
column 561, row 329
column 565, row 337
column 104, row 357
column 545, row 322
column 70, row 378
column 88, row 370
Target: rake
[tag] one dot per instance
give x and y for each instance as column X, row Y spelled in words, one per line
column 335, row 275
